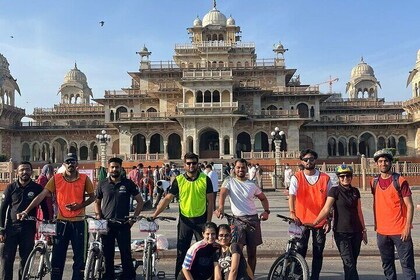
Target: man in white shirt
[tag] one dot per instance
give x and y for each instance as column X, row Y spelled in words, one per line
column 212, row 174
column 288, row 173
column 241, row 194
column 252, row 172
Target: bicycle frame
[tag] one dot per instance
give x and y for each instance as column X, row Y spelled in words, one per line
column 234, row 228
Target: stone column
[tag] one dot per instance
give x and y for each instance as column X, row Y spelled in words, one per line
column 221, row 147
column 147, row 149
column 165, row 150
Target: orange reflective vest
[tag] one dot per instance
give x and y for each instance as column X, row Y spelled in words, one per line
column 310, row 199
column 69, row 192
column 390, row 212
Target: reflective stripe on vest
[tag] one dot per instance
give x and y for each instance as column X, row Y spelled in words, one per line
column 69, row 192
column 310, row 199
column 192, row 195
column 390, row 214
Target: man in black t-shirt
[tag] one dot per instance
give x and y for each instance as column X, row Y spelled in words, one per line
column 13, row 232
column 112, row 202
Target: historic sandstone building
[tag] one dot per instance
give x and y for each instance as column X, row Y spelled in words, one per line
column 216, row 98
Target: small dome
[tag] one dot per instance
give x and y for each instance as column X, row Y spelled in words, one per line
column 230, row 21
column 75, row 75
column 4, row 64
column 362, row 69
column 197, row 22
column 144, row 49
column 214, row 17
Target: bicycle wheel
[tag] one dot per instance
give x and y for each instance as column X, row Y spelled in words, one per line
column 34, row 266
column 148, row 270
column 93, row 268
column 292, row 268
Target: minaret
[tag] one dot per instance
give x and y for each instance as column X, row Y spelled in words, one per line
column 75, row 89
column 363, row 83
column 414, row 78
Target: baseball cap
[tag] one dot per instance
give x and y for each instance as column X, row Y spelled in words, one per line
column 70, row 156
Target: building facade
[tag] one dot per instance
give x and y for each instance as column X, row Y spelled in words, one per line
column 216, row 99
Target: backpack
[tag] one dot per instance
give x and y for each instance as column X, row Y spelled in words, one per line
column 396, row 183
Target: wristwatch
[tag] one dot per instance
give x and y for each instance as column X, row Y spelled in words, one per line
column 267, row 211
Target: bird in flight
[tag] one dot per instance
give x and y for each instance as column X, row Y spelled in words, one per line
column 102, row 23
column 11, row 37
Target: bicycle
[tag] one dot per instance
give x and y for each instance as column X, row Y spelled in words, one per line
column 38, row 264
column 95, row 266
column 234, row 227
column 290, row 265
column 150, row 253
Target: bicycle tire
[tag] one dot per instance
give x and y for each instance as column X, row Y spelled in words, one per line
column 148, row 261
column 93, row 268
column 296, row 268
column 35, row 260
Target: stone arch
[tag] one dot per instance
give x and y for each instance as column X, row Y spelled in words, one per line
column 225, row 96
column 245, row 140
column 36, row 151
column 116, row 146
column 220, row 37
column 261, row 142
column 139, row 144
column 367, row 145
column 26, row 152
column 391, row 143
column 402, row 146
column 111, row 116
column 174, row 146
column 207, row 96
column 151, row 110
column 189, row 97
column 209, row 143
column 226, row 145
column 120, row 110
column 199, row 97
column 60, row 149
column 221, row 64
column 332, row 147
column 156, row 144
column 73, row 148
column 305, row 142
column 93, row 148
column 238, row 64
column 272, row 107
column 381, row 143
column 342, row 146
column 84, row 152
column 352, row 146
column 45, row 151
column 216, row 96
column 190, row 144
column 303, row 110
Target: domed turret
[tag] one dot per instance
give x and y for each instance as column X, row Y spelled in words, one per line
column 4, row 64
column 362, row 69
column 75, row 75
column 214, row 17
column 414, row 78
column 197, row 22
column 363, row 83
column 230, row 21
column 75, row 89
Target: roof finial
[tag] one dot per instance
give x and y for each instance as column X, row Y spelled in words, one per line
column 214, row 4
column 361, row 59
column 75, row 64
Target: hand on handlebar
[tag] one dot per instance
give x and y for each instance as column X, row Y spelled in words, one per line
column 219, row 213
column 295, row 218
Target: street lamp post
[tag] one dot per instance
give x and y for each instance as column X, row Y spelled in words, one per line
column 279, row 139
column 103, row 140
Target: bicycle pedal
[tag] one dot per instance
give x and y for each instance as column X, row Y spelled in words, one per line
column 161, row 275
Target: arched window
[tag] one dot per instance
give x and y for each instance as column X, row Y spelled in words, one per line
column 303, row 110
column 332, row 148
column 207, row 96
column 216, row 96
column 402, row 146
column 199, row 97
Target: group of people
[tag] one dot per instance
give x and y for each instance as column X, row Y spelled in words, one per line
column 313, row 201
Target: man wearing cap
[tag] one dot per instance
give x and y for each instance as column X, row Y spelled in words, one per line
column 112, row 202
column 69, row 189
column 307, row 195
column 393, row 211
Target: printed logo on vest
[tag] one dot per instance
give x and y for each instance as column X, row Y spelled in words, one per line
column 123, row 189
column 321, row 191
column 31, row 195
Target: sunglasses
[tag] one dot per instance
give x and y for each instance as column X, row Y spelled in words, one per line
column 345, row 176
column 71, row 161
column 309, row 159
column 224, row 235
column 191, row 163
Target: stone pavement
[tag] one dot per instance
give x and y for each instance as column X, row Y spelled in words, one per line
column 274, row 230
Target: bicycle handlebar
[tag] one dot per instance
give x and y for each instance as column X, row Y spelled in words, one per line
column 30, row 218
column 290, row 220
column 118, row 221
column 150, row 219
column 232, row 218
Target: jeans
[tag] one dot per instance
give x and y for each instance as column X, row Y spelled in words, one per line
column 405, row 251
column 74, row 232
column 187, row 227
column 22, row 235
column 348, row 245
column 318, row 244
column 122, row 233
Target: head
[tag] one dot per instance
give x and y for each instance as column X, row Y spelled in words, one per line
column 227, row 164
column 24, row 171
column 47, row 171
column 344, row 174
column 308, row 158
column 70, row 162
column 191, row 162
column 224, row 235
column 241, row 168
column 173, row 166
column 140, row 166
column 209, row 167
column 383, row 159
column 209, row 232
column 301, row 167
column 133, row 167
column 114, row 167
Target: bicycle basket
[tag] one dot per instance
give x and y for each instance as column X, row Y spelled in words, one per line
column 295, row 231
column 49, row 229
column 148, row 226
column 98, row 226
column 162, row 242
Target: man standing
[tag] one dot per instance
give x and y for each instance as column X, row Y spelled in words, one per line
column 112, row 198
column 259, row 176
column 288, row 173
column 195, row 193
column 307, row 195
column 241, row 194
column 393, row 210
column 214, row 180
column 226, row 170
column 13, row 232
column 69, row 189
column 252, row 173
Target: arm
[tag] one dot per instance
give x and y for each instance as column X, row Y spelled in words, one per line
column 97, row 208
column 265, row 205
column 139, row 207
column 408, row 201
column 325, row 210
column 5, row 202
column 37, row 200
column 233, row 273
column 292, row 202
column 210, row 205
column 362, row 220
column 45, row 210
column 187, row 274
column 217, row 272
column 222, row 197
column 163, row 204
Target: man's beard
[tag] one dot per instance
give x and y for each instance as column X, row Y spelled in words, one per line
column 115, row 175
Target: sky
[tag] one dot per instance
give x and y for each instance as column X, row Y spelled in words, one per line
column 324, row 37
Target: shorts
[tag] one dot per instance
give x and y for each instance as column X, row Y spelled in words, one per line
column 248, row 237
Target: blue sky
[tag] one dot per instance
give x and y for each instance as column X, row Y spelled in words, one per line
column 324, row 37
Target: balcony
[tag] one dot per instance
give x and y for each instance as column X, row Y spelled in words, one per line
column 145, row 116
column 367, row 119
column 207, row 75
column 346, row 103
column 70, row 109
column 274, row 114
column 208, row 108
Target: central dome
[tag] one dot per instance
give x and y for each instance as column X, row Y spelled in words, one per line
column 214, row 17
column 362, row 69
column 75, row 75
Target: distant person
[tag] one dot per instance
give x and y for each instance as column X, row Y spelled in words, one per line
column 393, row 209
column 288, row 173
column 252, row 173
column 226, row 169
column 212, row 174
column 259, row 176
